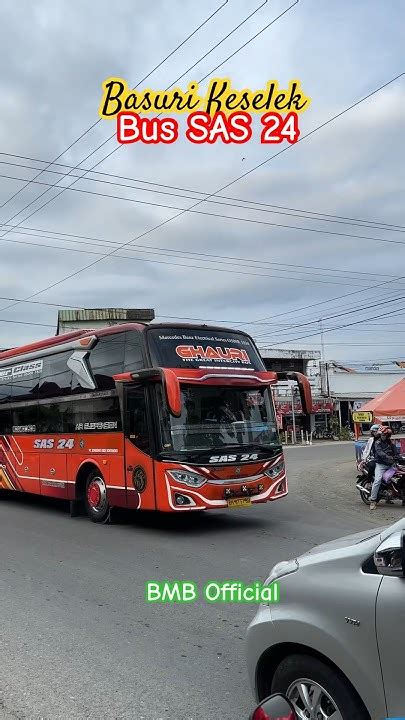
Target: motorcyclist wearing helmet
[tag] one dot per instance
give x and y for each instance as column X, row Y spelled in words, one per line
column 368, row 451
column 386, row 454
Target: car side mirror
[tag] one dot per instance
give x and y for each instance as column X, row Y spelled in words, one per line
column 275, row 707
column 389, row 557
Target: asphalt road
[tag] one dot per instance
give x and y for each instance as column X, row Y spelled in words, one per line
column 77, row 638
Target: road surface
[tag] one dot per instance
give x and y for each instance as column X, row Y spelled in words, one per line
column 77, row 638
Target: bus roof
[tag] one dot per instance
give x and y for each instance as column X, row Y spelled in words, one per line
column 201, row 326
column 99, row 332
column 74, row 335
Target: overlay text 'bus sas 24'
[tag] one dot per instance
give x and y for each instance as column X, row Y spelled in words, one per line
column 155, row 417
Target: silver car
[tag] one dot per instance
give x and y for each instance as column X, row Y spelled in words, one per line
column 335, row 642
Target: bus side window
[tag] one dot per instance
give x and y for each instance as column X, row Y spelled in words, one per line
column 6, row 421
column 56, row 377
column 133, row 359
column 107, row 359
column 5, row 392
column 136, row 419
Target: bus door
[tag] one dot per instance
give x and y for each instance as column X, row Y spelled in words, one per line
column 139, row 465
column 53, row 470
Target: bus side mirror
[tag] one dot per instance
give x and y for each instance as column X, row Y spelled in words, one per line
column 303, row 386
column 171, row 387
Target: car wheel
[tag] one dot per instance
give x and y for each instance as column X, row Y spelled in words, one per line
column 316, row 691
column 95, row 499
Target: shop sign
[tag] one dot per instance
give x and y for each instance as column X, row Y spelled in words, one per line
column 362, row 417
column 319, row 406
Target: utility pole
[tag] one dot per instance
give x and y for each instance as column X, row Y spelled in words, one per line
column 293, row 414
column 322, row 342
column 325, row 364
column 323, row 361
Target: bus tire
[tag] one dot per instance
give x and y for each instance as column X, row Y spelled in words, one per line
column 95, row 498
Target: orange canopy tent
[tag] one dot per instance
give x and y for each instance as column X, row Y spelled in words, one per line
column 389, row 405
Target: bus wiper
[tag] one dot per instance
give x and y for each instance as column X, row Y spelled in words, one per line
column 244, row 446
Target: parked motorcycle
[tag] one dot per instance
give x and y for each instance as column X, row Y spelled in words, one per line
column 393, row 483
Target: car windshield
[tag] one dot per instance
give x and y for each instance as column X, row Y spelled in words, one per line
column 217, row 417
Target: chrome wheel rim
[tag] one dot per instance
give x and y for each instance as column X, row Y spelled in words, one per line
column 311, row 701
column 97, row 495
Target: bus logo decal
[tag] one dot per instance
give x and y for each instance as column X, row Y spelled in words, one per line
column 19, row 371
column 193, row 352
column 49, row 444
column 139, row 478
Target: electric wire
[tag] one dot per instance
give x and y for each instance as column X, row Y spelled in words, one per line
column 233, row 202
column 237, row 27
column 189, row 255
column 95, row 262
column 195, row 31
column 203, row 212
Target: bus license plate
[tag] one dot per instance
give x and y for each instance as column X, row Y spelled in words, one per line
column 239, row 502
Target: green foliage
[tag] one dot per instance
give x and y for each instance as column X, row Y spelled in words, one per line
column 344, row 433
column 334, row 425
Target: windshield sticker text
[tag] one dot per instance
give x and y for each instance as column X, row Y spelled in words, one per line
column 217, row 354
column 245, row 457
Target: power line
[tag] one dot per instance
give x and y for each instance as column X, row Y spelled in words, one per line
column 248, row 172
column 384, row 85
column 98, row 121
column 172, row 264
column 189, row 255
column 177, row 317
column 357, row 344
column 229, row 257
column 133, row 239
column 324, row 302
column 259, row 321
column 237, row 27
column 25, row 322
column 338, row 314
column 339, row 327
column 159, row 315
column 82, row 307
column 231, row 201
column 202, row 212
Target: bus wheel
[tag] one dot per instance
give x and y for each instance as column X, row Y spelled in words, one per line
column 95, row 499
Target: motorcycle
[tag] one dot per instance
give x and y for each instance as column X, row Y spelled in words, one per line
column 393, row 482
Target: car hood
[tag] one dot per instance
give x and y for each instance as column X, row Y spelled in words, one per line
column 347, row 540
column 378, row 533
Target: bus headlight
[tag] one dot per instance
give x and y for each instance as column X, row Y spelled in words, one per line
column 274, row 471
column 187, row 478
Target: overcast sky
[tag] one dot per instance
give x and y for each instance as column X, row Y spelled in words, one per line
column 55, row 56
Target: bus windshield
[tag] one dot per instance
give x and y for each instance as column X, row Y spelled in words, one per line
column 215, row 417
column 202, row 348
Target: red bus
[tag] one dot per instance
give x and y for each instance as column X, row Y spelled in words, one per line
column 175, row 418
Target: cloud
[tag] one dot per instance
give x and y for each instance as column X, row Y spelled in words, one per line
column 55, row 59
